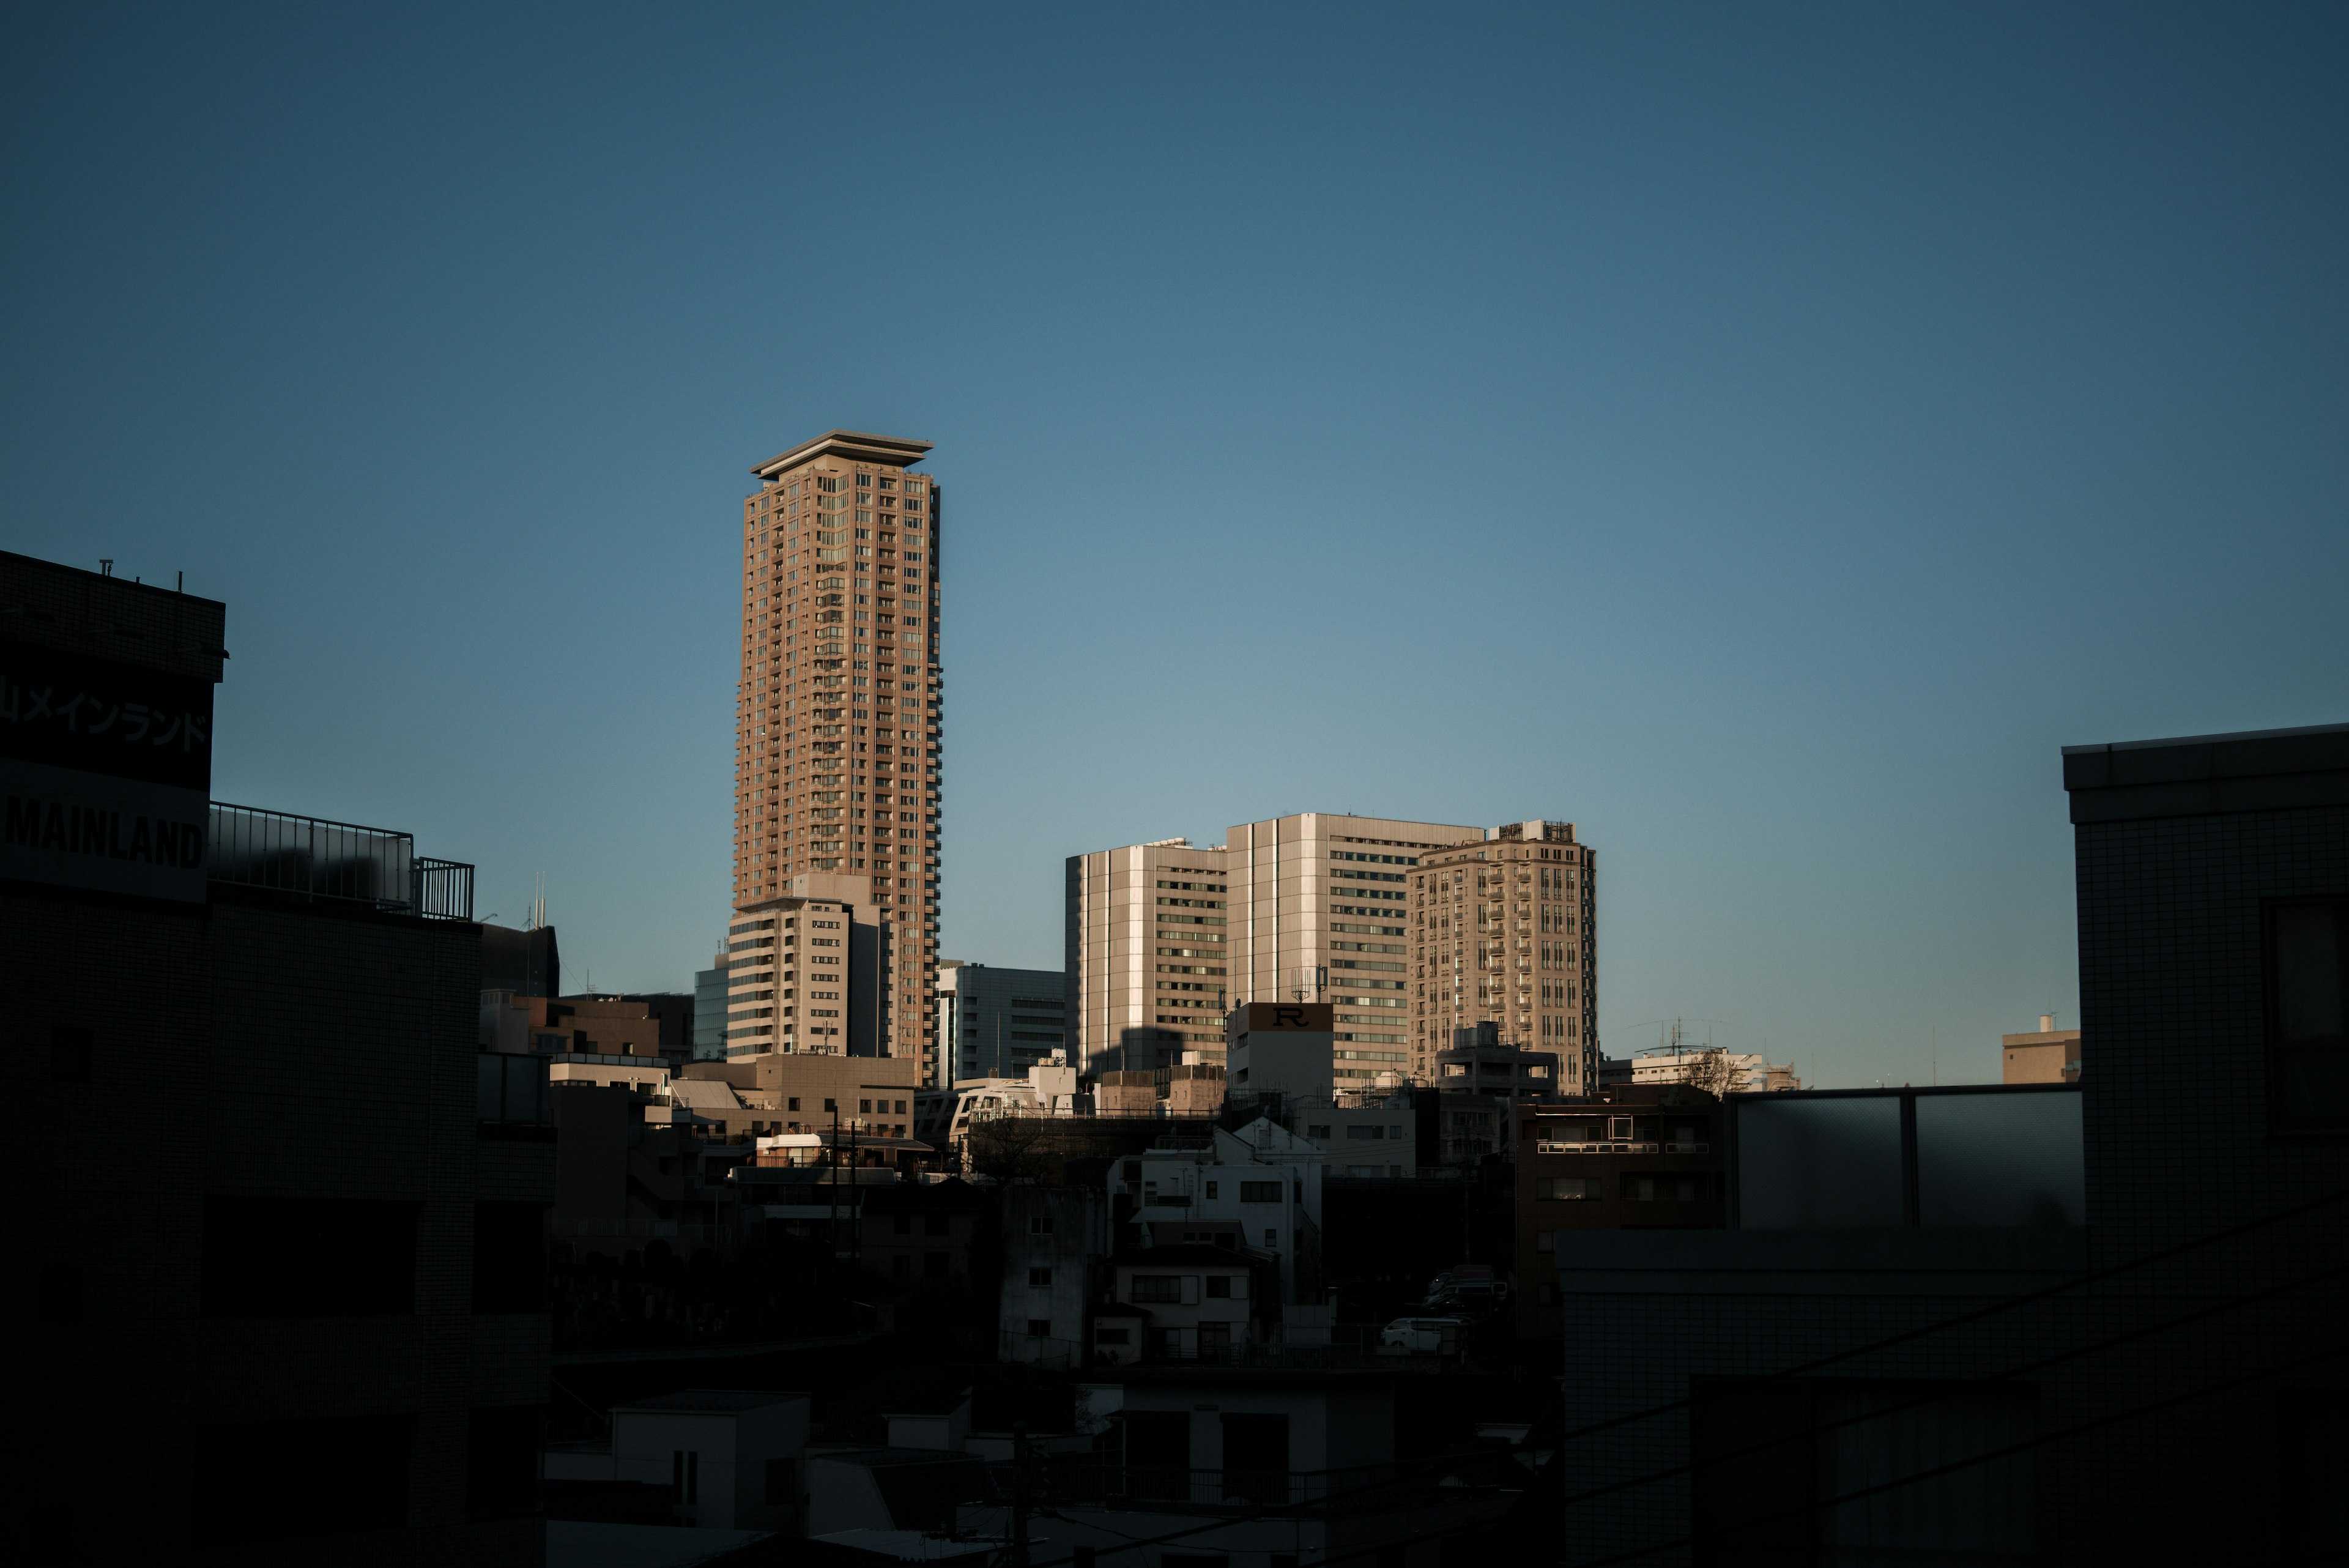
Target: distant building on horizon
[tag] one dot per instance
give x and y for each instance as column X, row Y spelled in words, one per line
column 1504, row 931
column 1148, row 963
column 996, row 1023
column 2046, row 1056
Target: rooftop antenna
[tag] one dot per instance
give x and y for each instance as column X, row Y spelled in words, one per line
column 106, row 565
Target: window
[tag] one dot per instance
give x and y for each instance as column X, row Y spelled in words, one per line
column 1259, row 1192
column 1040, row 1277
column 2308, row 994
column 1639, row 1189
column 901, row 1267
column 934, row 1265
column 1220, row 1285
column 685, row 1474
column 901, row 1224
column 1039, row 1225
column 1272, row 1238
column 1212, row 1189
column 1039, row 1328
column 782, row 1478
column 1570, row 1189
column 1317, row 1130
column 1157, row 1288
column 1112, row 1336
column 936, row 1224
column 1361, row 1131
column 795, row 1102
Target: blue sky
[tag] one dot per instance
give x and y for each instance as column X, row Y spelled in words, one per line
column 1762, row 436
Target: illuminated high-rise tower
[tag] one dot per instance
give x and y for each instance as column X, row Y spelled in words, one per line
column 836, row 785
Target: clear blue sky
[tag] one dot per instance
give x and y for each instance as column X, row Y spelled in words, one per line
column 1762, row 436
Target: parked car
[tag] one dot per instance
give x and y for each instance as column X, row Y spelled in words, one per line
column 1423, row 1336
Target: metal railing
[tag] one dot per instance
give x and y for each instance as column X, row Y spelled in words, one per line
column 314, row 858
column 1101, row 1478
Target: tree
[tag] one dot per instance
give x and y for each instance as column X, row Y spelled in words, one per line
column 1714, row 1071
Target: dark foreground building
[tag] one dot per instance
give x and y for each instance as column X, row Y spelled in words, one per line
column 286, row 1304
column 2099, row 1320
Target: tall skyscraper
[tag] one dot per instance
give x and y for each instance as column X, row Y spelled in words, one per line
column 837, row 790
column 1506, row 931
column 1148, row 974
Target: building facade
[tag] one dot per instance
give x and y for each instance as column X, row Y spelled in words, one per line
column 1149, row 930
column 1504, row 931
column 2044, row 1055
column 996, row 1023
column 810, row 971
column 837, row 729
column 1322, row 897
column 324, row 1337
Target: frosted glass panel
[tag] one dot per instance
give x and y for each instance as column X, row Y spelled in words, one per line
column 1999, row 1159
column 1822, row 1165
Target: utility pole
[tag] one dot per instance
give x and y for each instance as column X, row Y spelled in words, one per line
column 1019, row 1495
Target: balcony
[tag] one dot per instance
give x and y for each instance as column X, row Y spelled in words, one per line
column 314, row 857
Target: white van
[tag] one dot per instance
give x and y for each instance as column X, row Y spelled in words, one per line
column 1423, row 1335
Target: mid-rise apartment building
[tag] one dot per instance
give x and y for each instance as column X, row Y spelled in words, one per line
column 837, row 729
column 1504, row 931
column 808, row 972
column 996, row 1023
column 1148, row 933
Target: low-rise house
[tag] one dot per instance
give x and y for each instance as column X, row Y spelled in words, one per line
column 1255, row 1467
column 1199, row 1301
column 941, row 1234
column 1257, row 1188
column 716, row 1458
column 1366, row 1134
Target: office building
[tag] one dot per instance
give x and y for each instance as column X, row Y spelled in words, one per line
column 1504, row 931
column 837, row 770
column 1318, row 896
column 2046, row 1056
column 996, row 1023
column 323, row 1336
column 1147, row 971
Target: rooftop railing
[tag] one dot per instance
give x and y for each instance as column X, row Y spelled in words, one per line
column 317, row 859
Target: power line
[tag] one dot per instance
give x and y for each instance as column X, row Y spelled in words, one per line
column 2226, row 1304
column 1802, row 1370
column 2078, row 1429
